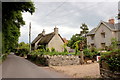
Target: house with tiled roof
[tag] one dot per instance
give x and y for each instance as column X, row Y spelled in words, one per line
column 51, row 40
column 101, row 36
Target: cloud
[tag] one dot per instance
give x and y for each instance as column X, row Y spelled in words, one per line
column 75, row 0
column 67, row 16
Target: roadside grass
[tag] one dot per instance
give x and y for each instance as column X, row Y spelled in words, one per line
column 3, row 57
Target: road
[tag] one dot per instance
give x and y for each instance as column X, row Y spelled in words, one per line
column 18, row 67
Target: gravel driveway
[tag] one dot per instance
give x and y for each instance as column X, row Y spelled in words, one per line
column 80, row 71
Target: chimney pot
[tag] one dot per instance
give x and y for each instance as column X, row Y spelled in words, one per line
column 56, row 30
column 43, row 32
column 111, row 21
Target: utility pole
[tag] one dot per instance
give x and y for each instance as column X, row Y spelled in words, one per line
column 30, row 36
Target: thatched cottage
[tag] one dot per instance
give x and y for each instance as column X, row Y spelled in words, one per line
column 51, row 40
column 101, row 36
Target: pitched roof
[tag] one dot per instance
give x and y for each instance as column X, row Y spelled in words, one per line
column 113, row 26
column 117, row 26
column 110, row 26
column 37, row 38
column 92, row 31
column 45, row 39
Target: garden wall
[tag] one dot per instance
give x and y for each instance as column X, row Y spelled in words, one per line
column 59, row 60
column 109, row 74
column 106, row 72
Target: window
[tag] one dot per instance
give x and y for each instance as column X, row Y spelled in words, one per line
column 103, row 45
column 92, row 45
column 103, row 35
column 92, row 37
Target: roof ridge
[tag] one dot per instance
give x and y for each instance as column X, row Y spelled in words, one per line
column 49, row 33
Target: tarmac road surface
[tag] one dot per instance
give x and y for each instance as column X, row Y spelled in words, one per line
column 18, row 67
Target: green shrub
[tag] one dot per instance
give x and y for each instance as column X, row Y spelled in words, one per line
column 104, row 54
column 87, row 52
column 116, row 51
column 52, row 49
column 112, row 58
column 23, row 52
column 65, row 50
column 47, row 50
column 41, row 47
column 114, row 62
column 90, row 52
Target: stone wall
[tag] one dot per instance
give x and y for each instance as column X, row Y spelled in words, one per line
column 61, row 60
column 109, row 74
column 105, row 72
column 58, row 60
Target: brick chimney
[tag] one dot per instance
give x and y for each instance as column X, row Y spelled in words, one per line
column 56, row 30
column 111, row 21
column 43, row 32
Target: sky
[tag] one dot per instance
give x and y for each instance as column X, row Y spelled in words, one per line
column 67, row 16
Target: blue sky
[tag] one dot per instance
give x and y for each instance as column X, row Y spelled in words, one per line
column 67, row 16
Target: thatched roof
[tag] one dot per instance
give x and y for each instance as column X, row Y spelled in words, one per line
column 45, row 39
column 37, row 38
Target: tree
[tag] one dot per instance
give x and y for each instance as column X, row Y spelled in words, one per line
column 22, row 49
column 71, row 42
column 12, row 20
column 77, row 38
column 23, row 45
column 74, row 41
column 85, row 29
column 83, row 33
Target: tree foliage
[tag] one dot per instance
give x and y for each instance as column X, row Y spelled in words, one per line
column 22, row 49
column 23, row 45
column 12, row 20
column 77, row 38
column 114, row 43
column 85, row 29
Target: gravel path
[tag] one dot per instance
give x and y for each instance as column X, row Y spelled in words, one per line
column 80, row 71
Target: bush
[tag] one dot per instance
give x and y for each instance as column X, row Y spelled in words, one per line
column 23, row 52
column 114, row 62
column 87, row 52
column 65, row 50
column 104, row 54
column 52, row 49
column 41, row 47
column 47, row 50
column 112, row 58
column 4, row 56
column 90, row 52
